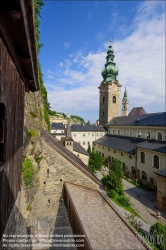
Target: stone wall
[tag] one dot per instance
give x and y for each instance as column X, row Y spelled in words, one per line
column 161, row 193
column 54, row 170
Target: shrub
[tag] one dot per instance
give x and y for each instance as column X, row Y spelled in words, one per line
column 39, row 159
column 27, row 170
column 29, row 207
column 32, row 133
column 159, row 230
column 112, row 193
column 124, row 200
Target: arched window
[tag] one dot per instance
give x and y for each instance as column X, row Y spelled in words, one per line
column 133, row 170
column 148, row 135
column 103, row 99
column 139, row 134
column 144, row 175
column 142, row 157
column 114, row 99
column 155, row 161
column 2, row 132
column 103, row 112
column 131, row 133
column 159, row 136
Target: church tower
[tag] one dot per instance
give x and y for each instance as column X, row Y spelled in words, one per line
column 68, row 141
column 125, row 104
column 109, row 90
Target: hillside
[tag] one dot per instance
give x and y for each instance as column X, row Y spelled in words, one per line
column 61, row 117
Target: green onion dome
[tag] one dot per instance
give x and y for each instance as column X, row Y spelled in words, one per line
column 110, row 72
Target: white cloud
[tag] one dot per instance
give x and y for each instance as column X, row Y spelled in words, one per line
column 67, row 45
column 140, row 58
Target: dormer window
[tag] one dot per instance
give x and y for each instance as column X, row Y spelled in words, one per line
column 148, row 135
column 139, row 134
column 159, row 136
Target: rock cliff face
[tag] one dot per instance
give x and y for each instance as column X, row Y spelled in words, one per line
column 39, row 207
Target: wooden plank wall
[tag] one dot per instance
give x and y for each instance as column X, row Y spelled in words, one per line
column 12, row 95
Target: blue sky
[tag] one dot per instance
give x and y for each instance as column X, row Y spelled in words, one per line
column 76, row 35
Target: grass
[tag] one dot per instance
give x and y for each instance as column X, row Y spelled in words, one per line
column 32, row 133
column 27, row 171
column 128, row 208
column 38, row 160
column 29, row 207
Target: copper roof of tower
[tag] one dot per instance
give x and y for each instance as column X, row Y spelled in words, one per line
column 137, row 111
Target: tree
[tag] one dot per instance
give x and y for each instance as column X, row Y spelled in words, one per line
column 115, row 176
column 89, row 149
column 95, row 162
column 158, row 230
column 88, row 123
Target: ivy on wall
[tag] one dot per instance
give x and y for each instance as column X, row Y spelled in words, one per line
column 37, row 9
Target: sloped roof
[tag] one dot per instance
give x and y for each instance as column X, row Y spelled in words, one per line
column 161, row 172
column 86, row 128
column 153, row 119
column 153, row 145
column 78, row 148
column 56, row 145
column 58, row 125
column 137, row 111
column 102, row 224
column 121, row 143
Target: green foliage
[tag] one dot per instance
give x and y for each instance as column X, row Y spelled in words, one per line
column 132, row 220
column 88, row 123
column 112, row 193
column 95, row 162
column 124, row 200
column 39, row 159
column 37, row 8
column 32, row 133
column 27, row 170
column 29, row 207
column 78, row 118
column 51, row 112
column 114, row 179
column 89, row 149
column 33, row 114
column 159, row 230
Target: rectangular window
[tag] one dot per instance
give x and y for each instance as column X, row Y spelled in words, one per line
column 108, row 149
column 151, row 180
column 89, row 143
column 97, row 134
column 118, row 132
column 101, row 134
column 62, row 132
column 88, row 133
column 114, row 151
column 130, row 156
column 92, row 134
column 83, row 142
column 121, row 153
